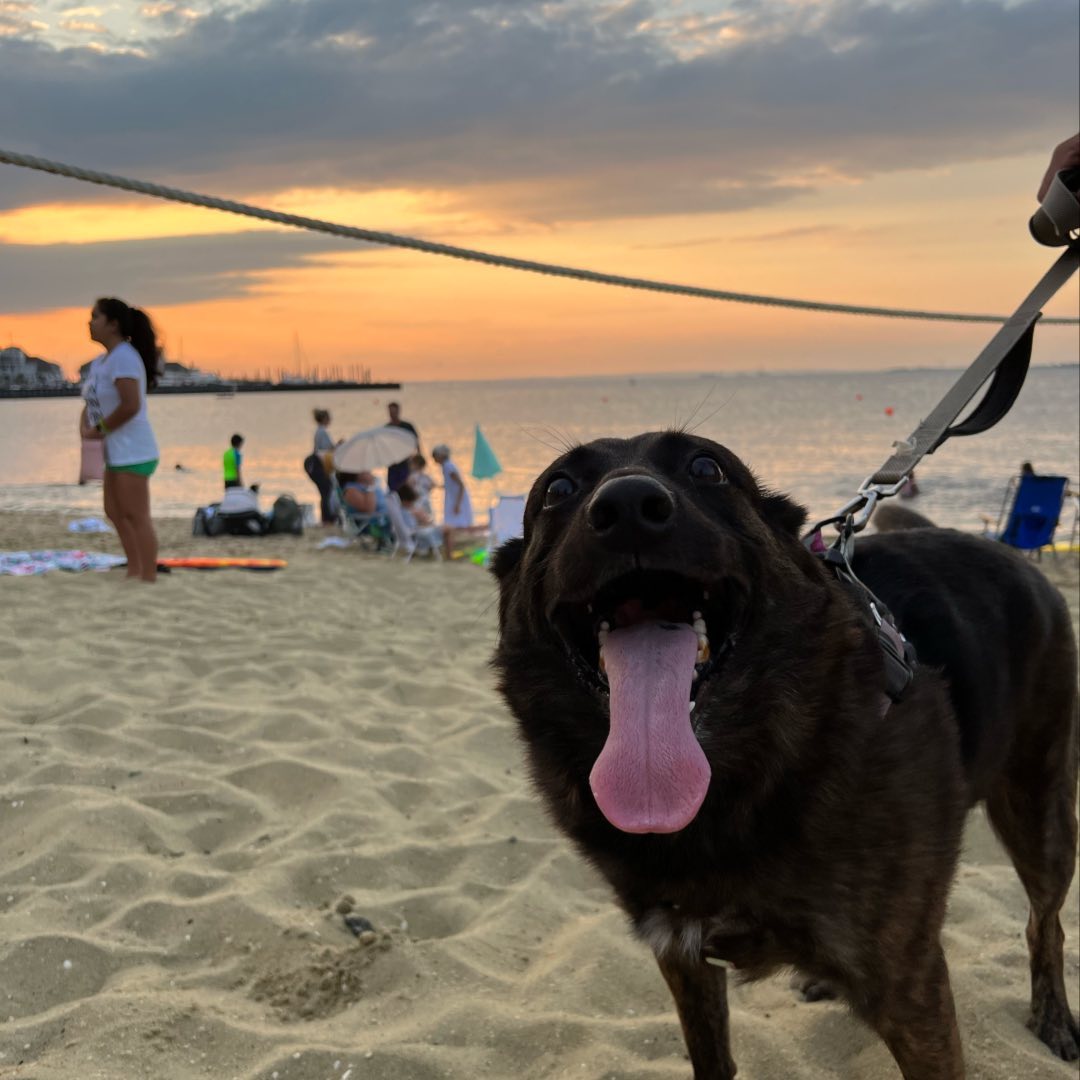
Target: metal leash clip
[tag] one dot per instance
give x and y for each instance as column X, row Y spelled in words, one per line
column 898, row 654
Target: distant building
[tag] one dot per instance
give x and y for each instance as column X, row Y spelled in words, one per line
column 178, row 375
column 174, row 375
column 19, row 370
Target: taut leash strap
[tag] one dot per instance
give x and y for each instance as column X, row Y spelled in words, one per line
column 1055, row 224
column 1006, row 357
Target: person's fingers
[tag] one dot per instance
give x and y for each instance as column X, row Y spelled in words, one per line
column 1066, row 155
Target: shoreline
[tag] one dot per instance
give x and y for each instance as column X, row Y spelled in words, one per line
column 225, row 388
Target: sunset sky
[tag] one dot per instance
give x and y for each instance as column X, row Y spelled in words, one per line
column 866, row 153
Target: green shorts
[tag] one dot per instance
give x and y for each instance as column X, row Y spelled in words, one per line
column 143, row 468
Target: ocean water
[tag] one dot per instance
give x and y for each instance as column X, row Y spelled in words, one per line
column 815, row 436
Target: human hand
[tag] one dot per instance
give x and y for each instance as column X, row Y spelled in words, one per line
column 1066, row 155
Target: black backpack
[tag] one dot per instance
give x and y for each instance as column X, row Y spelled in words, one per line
column 286, row 516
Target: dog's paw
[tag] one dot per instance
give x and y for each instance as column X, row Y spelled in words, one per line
column 1054, row 1025
column 811, row 989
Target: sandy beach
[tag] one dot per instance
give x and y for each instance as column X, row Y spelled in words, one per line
column 201, row 780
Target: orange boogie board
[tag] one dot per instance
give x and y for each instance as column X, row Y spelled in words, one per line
column 196, row 562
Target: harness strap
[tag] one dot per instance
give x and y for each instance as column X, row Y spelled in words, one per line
column 897, row 653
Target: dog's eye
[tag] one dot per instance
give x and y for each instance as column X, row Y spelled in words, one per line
column 560, row 488
column 706, row 468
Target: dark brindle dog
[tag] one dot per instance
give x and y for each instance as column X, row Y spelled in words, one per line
column 702, row 705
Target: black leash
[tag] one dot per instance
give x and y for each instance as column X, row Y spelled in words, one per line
column 1005, row 358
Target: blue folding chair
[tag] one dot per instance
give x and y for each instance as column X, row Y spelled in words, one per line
column 1030, row 521
column 370, row 531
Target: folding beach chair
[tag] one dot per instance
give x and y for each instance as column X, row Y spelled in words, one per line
column 370, row 531
column 506, row 520
column 1028, row 520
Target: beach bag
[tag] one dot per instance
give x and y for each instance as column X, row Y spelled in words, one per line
column 287, row 516
column 246, row 523
column 209, row 522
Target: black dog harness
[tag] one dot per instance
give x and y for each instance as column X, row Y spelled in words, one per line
column 897, row 652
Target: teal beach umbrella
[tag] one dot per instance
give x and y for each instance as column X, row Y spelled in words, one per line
column 485, row 464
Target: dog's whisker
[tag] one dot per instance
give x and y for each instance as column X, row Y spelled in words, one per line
column 719, row 408
column 684, row 428
column 562, row 443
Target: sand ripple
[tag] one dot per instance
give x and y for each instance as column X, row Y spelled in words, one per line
column 194, row 776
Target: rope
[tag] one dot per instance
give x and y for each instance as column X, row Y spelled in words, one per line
column 392, row 240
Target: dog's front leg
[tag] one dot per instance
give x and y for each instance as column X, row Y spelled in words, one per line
column 913, row 1011
column 700, row 992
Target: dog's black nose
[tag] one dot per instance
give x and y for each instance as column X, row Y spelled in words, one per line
column 630, row 509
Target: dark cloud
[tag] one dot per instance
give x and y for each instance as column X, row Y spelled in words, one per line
column 550, row 111
column 151, row 272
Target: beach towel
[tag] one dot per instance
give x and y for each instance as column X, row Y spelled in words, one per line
column 89, row 525
column 26, row 563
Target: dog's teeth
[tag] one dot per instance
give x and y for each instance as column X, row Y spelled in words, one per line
column 692, row 704
column 702, row 648
column 699, row 625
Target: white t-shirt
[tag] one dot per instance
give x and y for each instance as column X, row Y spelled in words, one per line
column 132, row 443
column 239, row 501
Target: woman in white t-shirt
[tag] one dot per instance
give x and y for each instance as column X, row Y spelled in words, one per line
column 114, row 394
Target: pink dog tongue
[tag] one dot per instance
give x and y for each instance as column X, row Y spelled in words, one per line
column 652, row 774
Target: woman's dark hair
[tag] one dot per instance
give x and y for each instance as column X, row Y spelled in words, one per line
column 407, row 493
column 136, row 326
column 321, row 417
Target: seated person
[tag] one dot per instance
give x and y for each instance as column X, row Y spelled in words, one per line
column 238, row 513
column 362, row 492
column 420, row 482
column 240, row 500
column 417, row 518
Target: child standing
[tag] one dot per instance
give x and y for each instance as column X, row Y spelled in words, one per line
column 457, row 507
column 231, row 462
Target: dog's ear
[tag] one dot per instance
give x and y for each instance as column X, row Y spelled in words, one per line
column 506, row 557
column 782, row 513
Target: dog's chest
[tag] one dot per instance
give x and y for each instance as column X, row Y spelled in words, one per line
column 727, row 939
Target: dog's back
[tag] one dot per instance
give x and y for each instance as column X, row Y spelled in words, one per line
column 995, row 626
column 893, row 518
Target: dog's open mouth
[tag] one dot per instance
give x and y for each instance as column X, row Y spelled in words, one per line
column 646, row 596
column 651, row 640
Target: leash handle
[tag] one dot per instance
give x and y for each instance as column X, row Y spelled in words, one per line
column 1057, row 221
